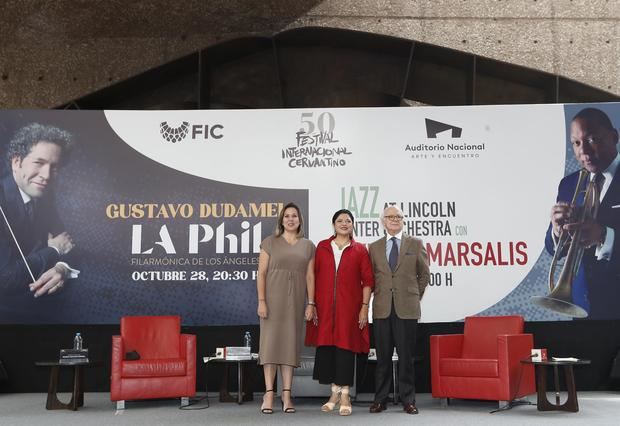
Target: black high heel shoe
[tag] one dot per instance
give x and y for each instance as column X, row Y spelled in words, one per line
column 266, row 410
column 287, row 410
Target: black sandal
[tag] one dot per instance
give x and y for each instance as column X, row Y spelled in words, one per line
column 267, row 410
column 288, row 410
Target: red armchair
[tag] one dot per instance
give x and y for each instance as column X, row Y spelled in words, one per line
column 484, row 362
column 167, row 364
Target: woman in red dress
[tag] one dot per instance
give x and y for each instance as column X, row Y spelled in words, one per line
column 343, row 283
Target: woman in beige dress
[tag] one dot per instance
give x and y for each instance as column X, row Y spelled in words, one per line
column 285, row 277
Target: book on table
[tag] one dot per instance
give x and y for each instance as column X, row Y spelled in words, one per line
column 73, row 356
column 565, row 359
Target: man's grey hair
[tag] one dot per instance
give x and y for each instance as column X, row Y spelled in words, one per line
column 389, row 207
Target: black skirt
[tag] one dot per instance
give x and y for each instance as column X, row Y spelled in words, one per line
column 334, row 365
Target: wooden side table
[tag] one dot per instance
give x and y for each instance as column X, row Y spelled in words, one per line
column 543, row 403
column 77, row 395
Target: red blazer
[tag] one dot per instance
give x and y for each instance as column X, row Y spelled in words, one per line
column 338, row 297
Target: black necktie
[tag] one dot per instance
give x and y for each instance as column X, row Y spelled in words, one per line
column 393, row 259
column 599, row 180
column 30, row 211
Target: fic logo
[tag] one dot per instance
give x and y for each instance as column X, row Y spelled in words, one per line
column 197, row 132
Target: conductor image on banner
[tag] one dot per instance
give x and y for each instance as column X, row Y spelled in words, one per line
column 285, row 278
column 400, row 265
column 596, row 287
column 343, row 284
column 30, row 227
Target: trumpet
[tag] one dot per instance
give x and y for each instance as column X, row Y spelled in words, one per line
column 560, row 298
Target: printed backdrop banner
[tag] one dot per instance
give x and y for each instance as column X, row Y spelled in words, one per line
column 167, row 209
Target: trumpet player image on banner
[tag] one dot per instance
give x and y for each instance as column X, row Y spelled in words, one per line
column 584, row 234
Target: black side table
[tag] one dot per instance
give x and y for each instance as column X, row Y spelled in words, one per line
column 244, row 393
column 543, row 403
column 77, row 396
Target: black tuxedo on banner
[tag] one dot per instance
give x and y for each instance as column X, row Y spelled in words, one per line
column 597, row 284
column 17, row 303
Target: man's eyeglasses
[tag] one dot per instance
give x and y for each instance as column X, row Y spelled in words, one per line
column 394, row 218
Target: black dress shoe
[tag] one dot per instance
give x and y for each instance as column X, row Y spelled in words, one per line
column 378, row 407
column 410, row 408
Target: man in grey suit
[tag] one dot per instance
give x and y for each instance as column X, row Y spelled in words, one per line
column 400, row 264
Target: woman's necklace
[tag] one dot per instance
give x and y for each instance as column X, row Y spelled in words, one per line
column 341, row 245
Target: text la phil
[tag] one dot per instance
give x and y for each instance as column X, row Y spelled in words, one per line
column 248, row 241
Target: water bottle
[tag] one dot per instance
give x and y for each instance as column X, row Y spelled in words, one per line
column 247, row 340
column 77, row 342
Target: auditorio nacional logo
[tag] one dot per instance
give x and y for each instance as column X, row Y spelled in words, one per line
column 444, row 141
column 196, row 132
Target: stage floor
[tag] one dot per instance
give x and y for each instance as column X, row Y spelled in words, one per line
column 596, row 408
